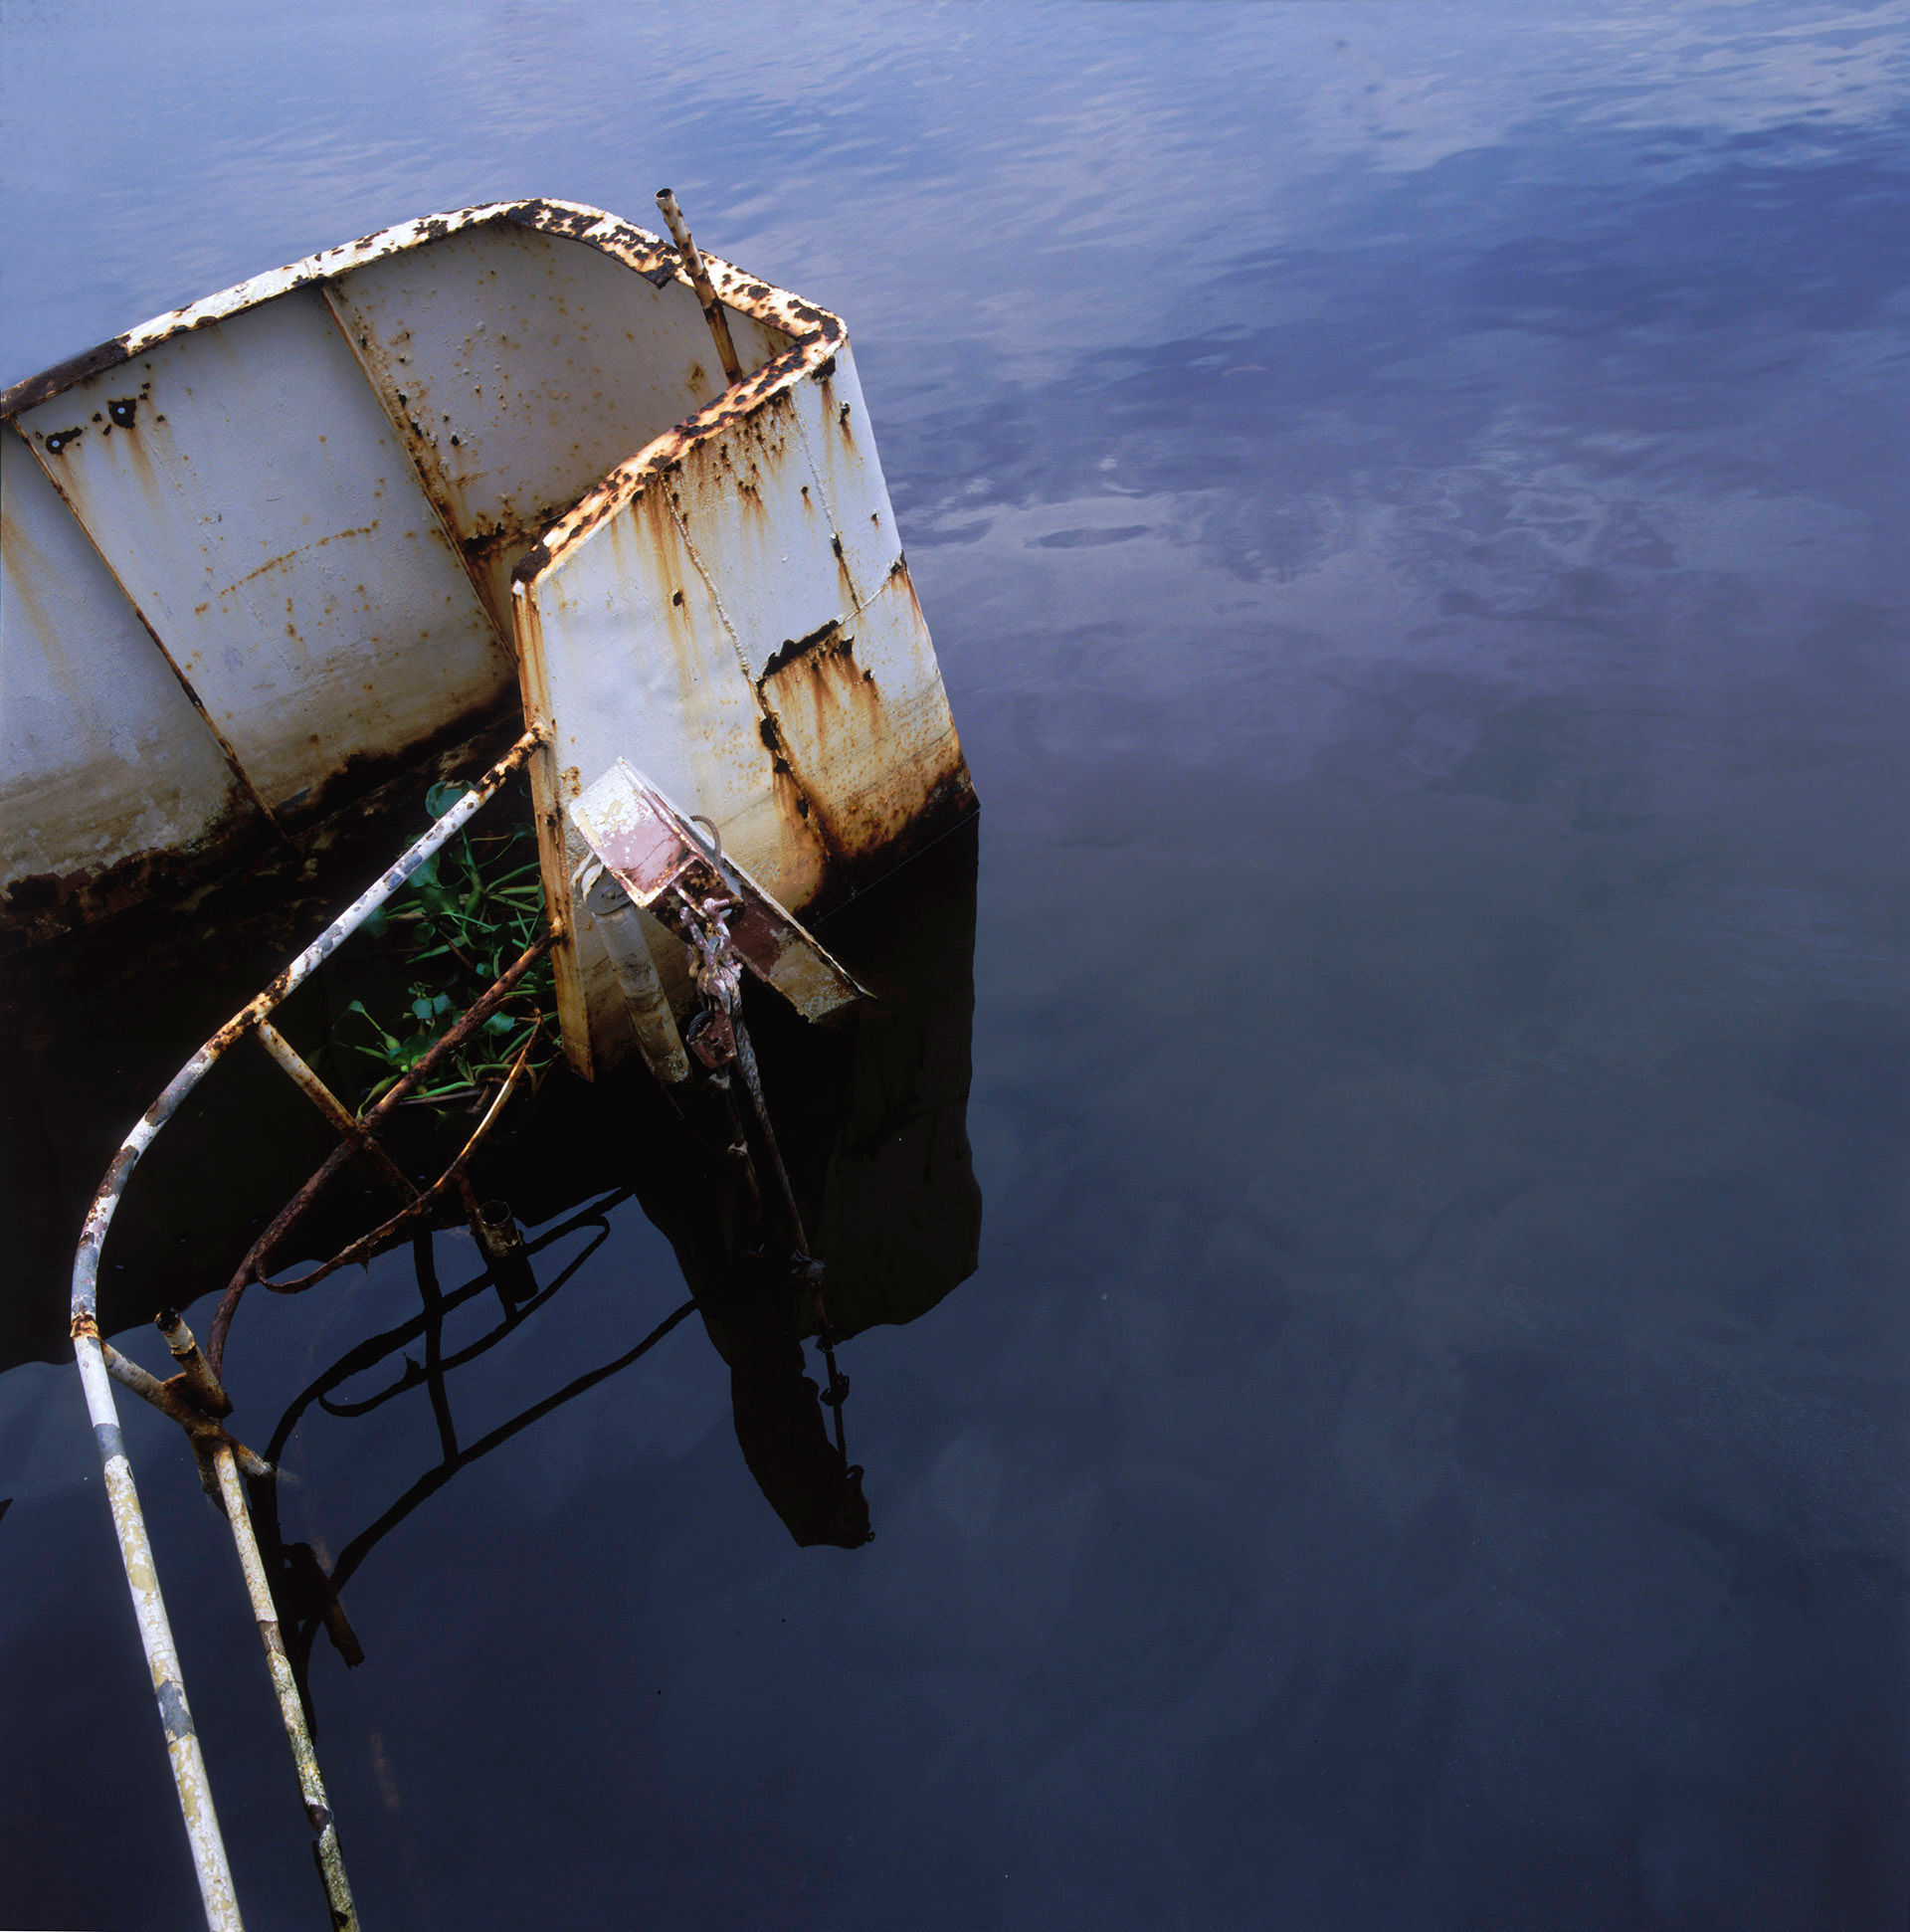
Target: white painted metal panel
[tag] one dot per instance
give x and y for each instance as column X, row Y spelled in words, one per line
column 789, row 515
column 244, row 483
column 708, row 632
column 522, row 368
column 839, row 444
column 637, row 662
column 103, row 757
column 760, row 532
column 519, row 367
column 313, row 527
column 698, row 618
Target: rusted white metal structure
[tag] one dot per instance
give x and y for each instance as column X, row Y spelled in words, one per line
column 268, row 548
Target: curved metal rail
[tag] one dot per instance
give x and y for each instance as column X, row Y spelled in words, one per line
column 202, row 1399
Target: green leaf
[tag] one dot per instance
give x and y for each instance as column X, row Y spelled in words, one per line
column 441, row 798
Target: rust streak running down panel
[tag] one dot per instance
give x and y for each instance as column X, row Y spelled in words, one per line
column 344, row 497
column 709, row 614
column 519, row 368
column 311, row 488
column 268, row 524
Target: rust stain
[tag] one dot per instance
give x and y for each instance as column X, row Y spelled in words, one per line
column 823, row 720
column 533, row 678
column 292, row 556
column 818, row 705
column 27, row 570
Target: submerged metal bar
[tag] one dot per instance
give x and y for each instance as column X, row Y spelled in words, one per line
column 699, row 281
column 311, row 1785
column 155, row 1633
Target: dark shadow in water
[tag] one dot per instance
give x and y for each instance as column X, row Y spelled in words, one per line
column 871, row 1121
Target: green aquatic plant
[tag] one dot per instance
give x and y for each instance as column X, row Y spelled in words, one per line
column 459, row 920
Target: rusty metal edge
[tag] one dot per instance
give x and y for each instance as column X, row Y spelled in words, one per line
column 637, row 247
column 810, row 355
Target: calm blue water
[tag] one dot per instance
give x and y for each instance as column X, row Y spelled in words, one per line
column 1410, row 501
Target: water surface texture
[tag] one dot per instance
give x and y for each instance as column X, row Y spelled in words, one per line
column 1411, row 504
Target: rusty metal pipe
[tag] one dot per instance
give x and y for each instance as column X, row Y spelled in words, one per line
column 250, row 1269
column 210, row 1863
column 503, row 1245
column 692, row 261
column 171, row 1399
column 194, row 1369
column 342, row 1120
column 292, row 1710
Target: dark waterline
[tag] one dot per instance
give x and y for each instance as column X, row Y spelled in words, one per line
column 1411, row 506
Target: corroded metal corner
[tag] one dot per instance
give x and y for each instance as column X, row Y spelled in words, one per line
column 698, row 573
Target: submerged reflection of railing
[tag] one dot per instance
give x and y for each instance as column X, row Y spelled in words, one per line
column 307, row 1590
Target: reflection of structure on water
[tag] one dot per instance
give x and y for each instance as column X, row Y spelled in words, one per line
column 872, row 1216
column 871, row 1121
column 704, row 579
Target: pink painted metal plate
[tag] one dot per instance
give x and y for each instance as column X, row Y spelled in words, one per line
column 652, row 852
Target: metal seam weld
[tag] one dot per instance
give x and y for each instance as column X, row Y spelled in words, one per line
column 717, row 597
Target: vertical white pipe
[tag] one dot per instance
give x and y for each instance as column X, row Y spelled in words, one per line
column 311, row 1786
column 156, row 1632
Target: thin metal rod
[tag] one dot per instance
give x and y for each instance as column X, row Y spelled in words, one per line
column 155, row 1633
column 343, row 1121
column 311, row 1785
column 251, row 1270
column 746, row 1059
column 692, row 261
